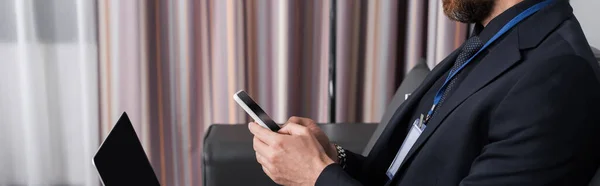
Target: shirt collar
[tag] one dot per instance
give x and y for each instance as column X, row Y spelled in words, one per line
column 486, row 33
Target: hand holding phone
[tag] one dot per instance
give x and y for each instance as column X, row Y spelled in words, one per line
column 257, row 113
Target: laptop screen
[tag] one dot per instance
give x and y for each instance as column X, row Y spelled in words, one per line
column 121, row 159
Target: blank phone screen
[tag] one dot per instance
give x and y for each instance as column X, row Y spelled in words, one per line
column 258, row 111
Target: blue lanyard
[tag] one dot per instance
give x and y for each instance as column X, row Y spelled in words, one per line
column 530, row 11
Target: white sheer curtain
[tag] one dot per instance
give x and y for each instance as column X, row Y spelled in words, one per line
column 48, row 92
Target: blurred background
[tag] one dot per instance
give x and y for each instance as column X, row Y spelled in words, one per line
column 69, row 68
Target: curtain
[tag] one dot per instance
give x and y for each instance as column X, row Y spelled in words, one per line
column 70, row 68
column 174, row 65
column 369, row 65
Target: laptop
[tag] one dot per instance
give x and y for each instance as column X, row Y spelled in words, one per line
column 121, row 159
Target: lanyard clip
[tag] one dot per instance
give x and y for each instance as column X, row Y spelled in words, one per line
column 429, row 114
column 427, row 119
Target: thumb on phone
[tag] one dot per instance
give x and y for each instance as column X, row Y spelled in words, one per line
column 302, row 121
column 294, row 129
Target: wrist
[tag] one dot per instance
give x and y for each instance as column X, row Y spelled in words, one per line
column 320, row 165
column 325, row 161
column 333, row 153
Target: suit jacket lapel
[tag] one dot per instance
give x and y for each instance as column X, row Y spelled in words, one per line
column 504, row 55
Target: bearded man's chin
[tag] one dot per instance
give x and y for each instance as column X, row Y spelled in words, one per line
column 468, row 11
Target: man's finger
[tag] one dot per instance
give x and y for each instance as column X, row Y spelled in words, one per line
column 265, row 135
column 268, row 173
column 300, row 120
column 294, row 129
column 260, row 159
column 264, row 164
column 261, row 148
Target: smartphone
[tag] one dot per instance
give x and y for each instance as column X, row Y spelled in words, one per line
column 257, row 113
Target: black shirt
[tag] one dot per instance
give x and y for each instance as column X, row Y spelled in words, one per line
column 485, row 34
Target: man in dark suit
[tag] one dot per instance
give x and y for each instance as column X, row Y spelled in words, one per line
column 513, row 108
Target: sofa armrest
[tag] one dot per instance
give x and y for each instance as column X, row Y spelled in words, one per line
column 228, row 157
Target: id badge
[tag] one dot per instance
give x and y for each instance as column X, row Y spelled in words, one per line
column 411, row 138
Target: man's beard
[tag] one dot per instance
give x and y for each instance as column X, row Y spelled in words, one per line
column 468, row 11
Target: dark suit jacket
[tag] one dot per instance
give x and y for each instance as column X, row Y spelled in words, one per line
column 527, row 114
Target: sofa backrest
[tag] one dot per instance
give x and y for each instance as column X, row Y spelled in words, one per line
column 411, row 81
column 596, row 53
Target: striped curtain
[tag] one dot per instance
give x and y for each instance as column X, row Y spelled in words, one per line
column 174, row 65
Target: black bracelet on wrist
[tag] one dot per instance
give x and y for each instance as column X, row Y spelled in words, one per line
column 341, row 154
